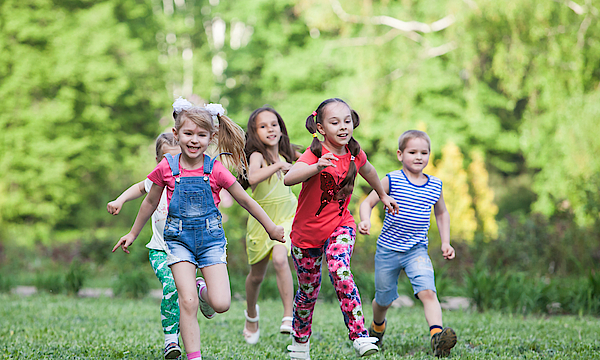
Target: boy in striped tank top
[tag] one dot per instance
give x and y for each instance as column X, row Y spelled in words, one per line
column 402, row 244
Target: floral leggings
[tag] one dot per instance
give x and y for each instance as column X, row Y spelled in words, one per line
column 338, row 250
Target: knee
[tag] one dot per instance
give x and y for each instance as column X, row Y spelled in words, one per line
column 427, row 296
column 188, row 303
column 255, row 279
column 280, row 262
column 221, row 305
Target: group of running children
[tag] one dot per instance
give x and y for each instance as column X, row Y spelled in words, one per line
column 183, row 195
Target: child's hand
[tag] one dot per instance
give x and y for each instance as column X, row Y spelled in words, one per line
column 124, row 242
column 277, row 233
column 390, row 204
column 325, row 161
column 114, row 207
column 448, row 251
column 284, row 166
column 364, row 227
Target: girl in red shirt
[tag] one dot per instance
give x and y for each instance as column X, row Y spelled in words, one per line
column 324, row 226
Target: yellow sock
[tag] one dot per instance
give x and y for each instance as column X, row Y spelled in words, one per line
column 379, row 328
column 435, row 329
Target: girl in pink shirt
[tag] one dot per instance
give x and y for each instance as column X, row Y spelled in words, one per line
column 193, row 231
column 324, row 226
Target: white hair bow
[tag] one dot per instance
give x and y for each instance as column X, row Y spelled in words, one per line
column 215, row 110
column 181, row 104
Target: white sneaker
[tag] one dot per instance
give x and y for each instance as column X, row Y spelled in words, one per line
column 365, row 346
column 299, row 351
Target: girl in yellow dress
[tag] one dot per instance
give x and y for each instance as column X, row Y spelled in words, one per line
column 270, row 156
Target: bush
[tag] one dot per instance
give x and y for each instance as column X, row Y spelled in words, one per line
column 75, row 277
column 132, row 284
column 52, row 282
column 6, row 283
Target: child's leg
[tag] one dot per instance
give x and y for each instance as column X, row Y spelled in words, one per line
column 285, row 281
column 217, row 287
column 431, row 306
column 338, row 252
column 419, row 270
column 169, row 308
column 184, row 274
column 308, row 267
column 387, row 269
column 253, row 281
column 379, row 312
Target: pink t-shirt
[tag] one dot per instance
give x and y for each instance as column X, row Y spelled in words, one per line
column 319, row 213
column 220, row 178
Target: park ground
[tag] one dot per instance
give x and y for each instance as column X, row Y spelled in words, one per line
column 45, row 326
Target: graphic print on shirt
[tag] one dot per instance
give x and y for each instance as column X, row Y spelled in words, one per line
column 330, row 189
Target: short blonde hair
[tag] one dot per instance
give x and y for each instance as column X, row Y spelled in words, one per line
column 412, row 134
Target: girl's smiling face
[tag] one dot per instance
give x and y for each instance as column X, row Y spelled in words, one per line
column 337, row 125
column 193, row 140
column 415, row 156
column 268, row 129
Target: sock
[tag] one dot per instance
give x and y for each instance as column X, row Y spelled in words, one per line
column 434, row 329
column 171, row 338
column 379, row 327
column 194, row 355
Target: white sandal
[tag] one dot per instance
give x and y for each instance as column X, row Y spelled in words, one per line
column 299, row 351
column 251, row 337
column 286, row 329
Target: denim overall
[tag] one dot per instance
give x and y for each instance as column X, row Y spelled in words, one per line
column 193, row 230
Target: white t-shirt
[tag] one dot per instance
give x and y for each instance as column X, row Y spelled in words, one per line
column 159, row 218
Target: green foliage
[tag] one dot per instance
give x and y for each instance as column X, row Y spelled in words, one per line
column 50, row 281
column 6, row 282
column 132, row 284
column 79, row 103
column 75, row 277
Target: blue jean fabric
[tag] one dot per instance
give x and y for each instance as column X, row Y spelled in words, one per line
column 388, row 265
column 193, row 230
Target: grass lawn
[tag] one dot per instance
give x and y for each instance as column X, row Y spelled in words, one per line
column 61, row 327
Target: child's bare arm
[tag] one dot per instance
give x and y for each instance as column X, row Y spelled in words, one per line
column 134, row 192
column 275, row 232
column 148, row 207
column 257, row 173
column 368, row 172
column 301, row 171
column 442, row 219
column 364, row 227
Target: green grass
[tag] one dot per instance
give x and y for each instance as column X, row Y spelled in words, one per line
column 60, row 327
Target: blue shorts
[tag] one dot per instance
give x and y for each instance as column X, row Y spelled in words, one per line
column 388, row 264
column 202, row 244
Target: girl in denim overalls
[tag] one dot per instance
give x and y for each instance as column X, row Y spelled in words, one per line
column 193, row 232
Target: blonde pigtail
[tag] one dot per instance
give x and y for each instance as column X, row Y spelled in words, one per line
column 232, row 139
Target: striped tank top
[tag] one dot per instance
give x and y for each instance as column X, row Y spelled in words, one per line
column 410, row 226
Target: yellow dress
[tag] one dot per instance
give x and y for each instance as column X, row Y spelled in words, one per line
column 279, row 202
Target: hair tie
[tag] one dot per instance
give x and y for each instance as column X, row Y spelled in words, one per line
column 181, row 104
column 352, row 158
column 314, row 134
column 314, row 113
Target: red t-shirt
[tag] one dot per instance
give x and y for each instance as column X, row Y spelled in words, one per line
column 319, row 213
column 219, row 178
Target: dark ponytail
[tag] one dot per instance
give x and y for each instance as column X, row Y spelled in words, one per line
column 347, row 184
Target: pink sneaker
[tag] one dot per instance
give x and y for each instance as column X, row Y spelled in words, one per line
column 207, row 311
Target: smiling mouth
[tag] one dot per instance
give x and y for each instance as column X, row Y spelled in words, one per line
column 193, row 148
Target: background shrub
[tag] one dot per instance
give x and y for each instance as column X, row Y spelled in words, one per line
column 132, row 284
